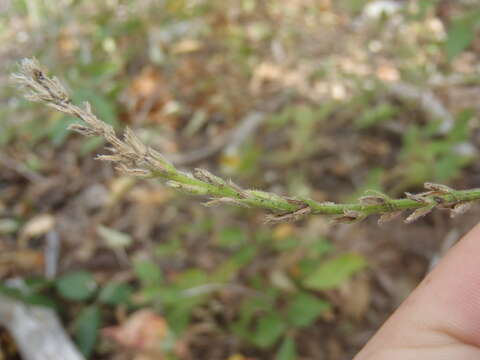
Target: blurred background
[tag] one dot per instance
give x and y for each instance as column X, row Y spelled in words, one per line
column 319, row 98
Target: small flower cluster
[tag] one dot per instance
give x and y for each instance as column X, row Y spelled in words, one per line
column 132, row 157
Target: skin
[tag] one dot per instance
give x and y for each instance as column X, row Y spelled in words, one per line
column 440, row 320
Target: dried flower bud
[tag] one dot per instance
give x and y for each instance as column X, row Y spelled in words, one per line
column 208, row 177
column 460, row 209
column 132, row 140
column 419, row 213
column 58, row 90
column 83, row 130
column 416, row 197
column 439, row 188
column 290, row 217
column 112, row 158
column 124, row 169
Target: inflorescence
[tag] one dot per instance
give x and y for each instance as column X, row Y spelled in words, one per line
column 132, row 157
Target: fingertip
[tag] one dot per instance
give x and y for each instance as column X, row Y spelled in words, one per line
column 444, row 307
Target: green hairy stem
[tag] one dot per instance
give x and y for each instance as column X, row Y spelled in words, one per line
column 132, row 157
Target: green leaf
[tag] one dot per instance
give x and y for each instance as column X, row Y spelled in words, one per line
column 287, row 350
column 115, row 294
column 179, row 314
column 86, row 327
column 305, row 309
column 334, row 272
column 40, row 300
column 269, row 329
column 149, row 274
column 191, row 278
column 79, row 285
column 227, row 271
column 461, row 129
column 36, row 284
column 461, row 34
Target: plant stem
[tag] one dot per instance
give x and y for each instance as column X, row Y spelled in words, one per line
column 131, row 156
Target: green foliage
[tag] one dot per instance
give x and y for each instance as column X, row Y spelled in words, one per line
column 251, row 307
column 87, row 325
column 31, row 293
column 149, row 274
column 287, row 350
column 115, row 293
column 78, row 285
column 183, row 296
column 304, row 309
column 78, row 288
column 334, row 272
column 304, row 121
column 269, row 329
column 229, row 269
column 437, row 159
column 461, row 33
column 376, row 115
column 264, row 320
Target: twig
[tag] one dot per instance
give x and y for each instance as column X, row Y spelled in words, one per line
column 52, row 252
column 37, row 331
column 132, row 157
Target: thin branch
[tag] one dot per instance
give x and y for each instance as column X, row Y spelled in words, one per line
column 37, row 331
column 132, row 157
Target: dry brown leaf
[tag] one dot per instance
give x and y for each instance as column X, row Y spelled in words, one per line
column 37, row 226
column 143, row 331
